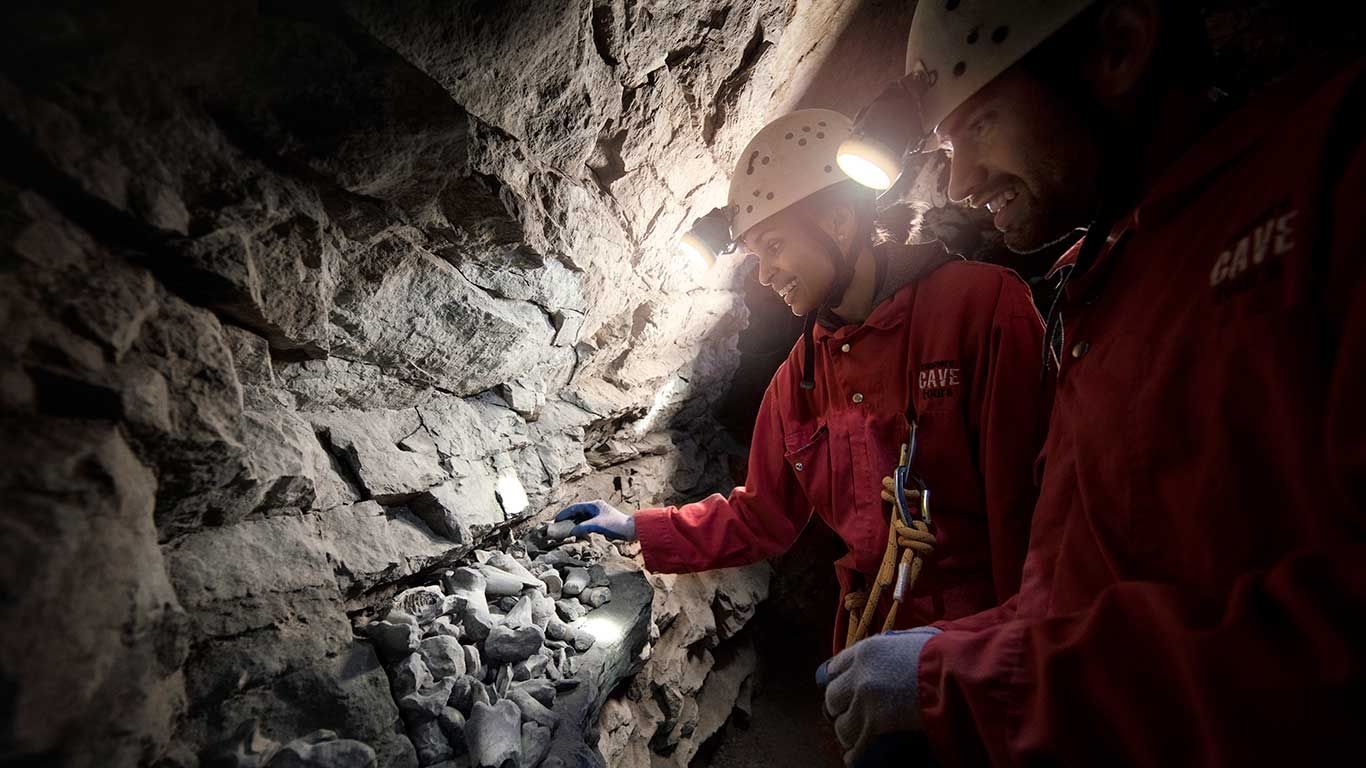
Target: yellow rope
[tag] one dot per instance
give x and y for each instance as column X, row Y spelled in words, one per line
column 907, row 545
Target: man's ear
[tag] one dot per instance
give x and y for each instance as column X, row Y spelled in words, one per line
column 1126, row 39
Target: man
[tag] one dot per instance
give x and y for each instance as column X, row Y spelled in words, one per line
column 1196, row 578
column 893, row 331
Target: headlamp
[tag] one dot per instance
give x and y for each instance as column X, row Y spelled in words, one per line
column 708, row 238
column 874, row 155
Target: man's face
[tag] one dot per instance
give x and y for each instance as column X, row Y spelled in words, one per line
column 791, row 261
column 1028, row 157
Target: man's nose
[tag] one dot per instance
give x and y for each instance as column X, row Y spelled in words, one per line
column 966, row 174
column 765, row 271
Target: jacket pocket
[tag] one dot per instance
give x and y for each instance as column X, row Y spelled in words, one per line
column 808, row 456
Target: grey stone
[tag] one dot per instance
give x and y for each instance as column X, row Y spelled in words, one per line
column 426, row 703
column 410, row 675
column 452, row 723
column 507, row 644
column 493, row 734
column 539, row 689
column 473, row 664
column 575, row 581
column 393, row 640
column 595, row 597
column 445, row 627
column 322, row 749
column 532, row 710
column 500, row 583
column 570, row 610
column 554, row 583
column 520, row 615
column 430, row 742
column 531, row 667
column 444, row 655
column 535, row 742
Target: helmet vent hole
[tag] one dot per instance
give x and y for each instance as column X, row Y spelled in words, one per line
column 749, row 209
column 820, row 134
column 756, row 193
column 769, row 196
column 764, row 160
column 821, row 123
column 972, row 36
column 806, row 129
column 801, row 142
column 951, row 5
column 960, row 68
column 788, row 136
column 828, row 169
column 1000, row 34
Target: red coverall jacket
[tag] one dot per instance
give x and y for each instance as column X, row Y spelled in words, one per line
column 965, row 341
column 1195, row 589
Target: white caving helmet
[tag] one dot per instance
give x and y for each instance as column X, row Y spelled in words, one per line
column 959, row 46
column 789, row 160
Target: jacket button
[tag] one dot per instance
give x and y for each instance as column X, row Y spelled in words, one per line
column 1081, row 349
column 858, row 397
column 844, row 347
column 798, row 466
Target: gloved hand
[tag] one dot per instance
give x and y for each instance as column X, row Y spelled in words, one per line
column 871, row 688
column 598, row 517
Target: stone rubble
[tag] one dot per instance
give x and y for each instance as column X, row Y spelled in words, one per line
column 482, row 691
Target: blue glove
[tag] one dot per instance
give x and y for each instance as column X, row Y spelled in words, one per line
column 598, row 517
column 871, row 688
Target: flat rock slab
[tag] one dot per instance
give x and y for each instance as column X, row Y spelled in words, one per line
column 622, row 628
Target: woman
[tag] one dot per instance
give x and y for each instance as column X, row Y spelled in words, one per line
column 895, row 334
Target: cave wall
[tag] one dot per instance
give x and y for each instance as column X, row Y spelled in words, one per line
column 303, row 300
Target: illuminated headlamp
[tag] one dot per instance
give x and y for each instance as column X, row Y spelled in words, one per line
column 708, row 238
column 874, row 155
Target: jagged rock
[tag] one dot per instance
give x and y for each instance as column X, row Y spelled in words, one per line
column 532, row 710
column 445, row 627
column 426, row 703
column 452, row 723
column 531, row 667
column 367, row 444
column 508, row 644
column 444, row 656
column 500, row 583
column 473, row 664
column 560, row 530
column 542, row 609
column 535, row 742
column 430, row 742
column 520, row 614
column 554, row 583
column 539, row 689
column 393, row 639
column 322, row 749
column 493, row 734
column 246, row 748
column 575, row 581
column 410, row 675
column 595, row 597
column 570, row 610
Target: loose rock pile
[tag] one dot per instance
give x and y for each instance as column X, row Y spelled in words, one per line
column 476, row 662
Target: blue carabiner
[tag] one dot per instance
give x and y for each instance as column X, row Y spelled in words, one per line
column 903, row 475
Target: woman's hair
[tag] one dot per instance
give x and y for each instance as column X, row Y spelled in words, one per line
column 896, row 224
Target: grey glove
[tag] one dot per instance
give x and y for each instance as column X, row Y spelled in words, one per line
column 598, row 517
column 872, row 688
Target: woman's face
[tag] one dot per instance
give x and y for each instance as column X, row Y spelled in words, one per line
column 792, row 260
